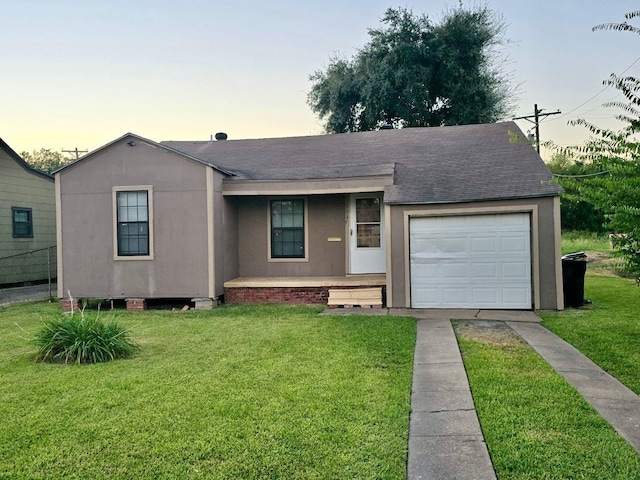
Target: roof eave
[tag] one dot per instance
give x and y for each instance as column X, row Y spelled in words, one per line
column 148, row 142
column 20, row 161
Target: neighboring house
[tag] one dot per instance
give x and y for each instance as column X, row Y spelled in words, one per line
column 27, row 219
column 446, row 217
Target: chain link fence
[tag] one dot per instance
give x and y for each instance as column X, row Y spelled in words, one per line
column 36, row 267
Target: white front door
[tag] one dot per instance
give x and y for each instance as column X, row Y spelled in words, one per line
column 366, row 229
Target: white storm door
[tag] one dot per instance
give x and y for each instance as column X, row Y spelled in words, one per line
column 366, row 231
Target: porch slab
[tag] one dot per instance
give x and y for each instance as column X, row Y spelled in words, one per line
column 337, row 281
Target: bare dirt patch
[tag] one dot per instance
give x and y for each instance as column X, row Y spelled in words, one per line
column 487, row 331
column 602, row 263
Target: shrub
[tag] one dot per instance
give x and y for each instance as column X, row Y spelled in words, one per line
column 81, row 339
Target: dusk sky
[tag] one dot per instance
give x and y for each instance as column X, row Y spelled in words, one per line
column 82, row 73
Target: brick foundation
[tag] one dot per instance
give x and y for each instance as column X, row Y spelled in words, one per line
column 136, row 304
column 69, row 305
column 292, row 295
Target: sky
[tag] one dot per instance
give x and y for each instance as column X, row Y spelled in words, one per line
column 81, row 73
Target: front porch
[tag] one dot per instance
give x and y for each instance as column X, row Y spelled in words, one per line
column 297, row 290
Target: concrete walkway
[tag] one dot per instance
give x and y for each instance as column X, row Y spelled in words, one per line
column 445, row 439
column 617, row 404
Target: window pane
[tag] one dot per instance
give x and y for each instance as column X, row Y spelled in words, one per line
column 287, row 207
column 367, row 210
column 287, row 220
column 368, row 236
column 141, row 213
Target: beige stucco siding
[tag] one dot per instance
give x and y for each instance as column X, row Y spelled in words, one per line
column 181, row 260
column 326, row 224
column 545, row 251
column 231, row 239
column 21, row 188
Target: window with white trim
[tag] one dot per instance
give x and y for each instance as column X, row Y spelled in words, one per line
column 287, row 228
column 133, row 222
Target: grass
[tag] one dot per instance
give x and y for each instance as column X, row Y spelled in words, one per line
column 82, row 338
column 607, row 331
column 585, row 242
column 535, row 424
column 238, row 392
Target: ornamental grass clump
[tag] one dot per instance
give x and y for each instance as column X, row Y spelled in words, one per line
column 81, row 339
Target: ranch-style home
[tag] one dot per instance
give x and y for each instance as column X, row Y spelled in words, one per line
column 27, row 220
column 445, row 217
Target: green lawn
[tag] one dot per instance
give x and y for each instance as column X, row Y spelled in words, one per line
column 238, row 392
column 608, row 330
column 585, row 242
column 535, row 424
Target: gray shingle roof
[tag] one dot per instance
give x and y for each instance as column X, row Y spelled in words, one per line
column 432, row 165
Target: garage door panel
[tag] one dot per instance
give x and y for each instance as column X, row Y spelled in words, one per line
column 484, row 270
column 515, row 271
column 485, row 296
column 453, row 270
column 515, row 296
column 484, row 245
column 514, row 244
column 473, row 261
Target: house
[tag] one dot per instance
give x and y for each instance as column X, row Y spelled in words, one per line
column 27, row 219
column 447, row 217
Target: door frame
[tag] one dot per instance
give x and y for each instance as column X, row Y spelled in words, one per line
column 440, row 212
column 377, row 255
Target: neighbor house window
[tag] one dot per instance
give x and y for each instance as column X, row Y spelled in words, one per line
column 22, row 221
column 287, row 229
column 133, row 222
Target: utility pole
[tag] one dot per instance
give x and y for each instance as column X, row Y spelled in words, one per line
column 536, row 116
column 76, row 152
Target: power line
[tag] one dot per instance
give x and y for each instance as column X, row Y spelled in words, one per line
column 599, row 92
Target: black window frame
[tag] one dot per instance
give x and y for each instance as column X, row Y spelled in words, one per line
column 281, row 245
column 125, row 228
column 22, row 229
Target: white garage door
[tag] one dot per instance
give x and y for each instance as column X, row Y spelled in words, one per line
column 472, row 261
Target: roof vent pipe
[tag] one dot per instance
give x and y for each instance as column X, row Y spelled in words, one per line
column 221, row 136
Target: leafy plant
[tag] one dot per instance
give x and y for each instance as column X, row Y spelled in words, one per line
column 81, row 339
column 614, row 156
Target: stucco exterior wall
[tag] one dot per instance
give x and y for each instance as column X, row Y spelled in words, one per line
column 231, row 239
column 21, row 188
column 326, row 220
column 545, row 243
column 182, row 254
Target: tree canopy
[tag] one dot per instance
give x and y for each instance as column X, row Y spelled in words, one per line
column 415, row 72
column 614, row 158
column 45, row 159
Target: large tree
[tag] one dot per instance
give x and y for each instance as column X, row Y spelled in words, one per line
column 614, row 156
column 414, row 72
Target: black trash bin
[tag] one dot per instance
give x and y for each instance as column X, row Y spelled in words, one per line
column 574, row 266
